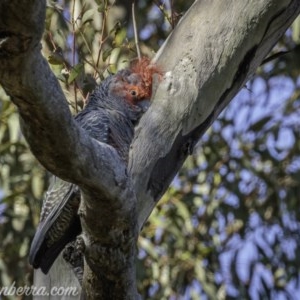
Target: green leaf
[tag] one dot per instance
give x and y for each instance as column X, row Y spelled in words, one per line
column 296, row 30
column 106, row 54
column 88, row 16
column 260, row 124
column 76, row 70
column 56, row 57
column 148, row 246
column 101, row 7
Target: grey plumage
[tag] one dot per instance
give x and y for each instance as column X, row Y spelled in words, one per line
column 109, row 117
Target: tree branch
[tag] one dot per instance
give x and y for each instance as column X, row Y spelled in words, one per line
column 46, row 121
column 214, row 50
column 108, row 206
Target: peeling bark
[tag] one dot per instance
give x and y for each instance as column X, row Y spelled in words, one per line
column 214, row 50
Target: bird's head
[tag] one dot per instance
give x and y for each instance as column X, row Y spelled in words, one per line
column 135, row 84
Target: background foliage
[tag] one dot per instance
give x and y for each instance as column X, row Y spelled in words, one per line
column 228, row 228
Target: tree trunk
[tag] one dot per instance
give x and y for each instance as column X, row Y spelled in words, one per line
column 214, row 50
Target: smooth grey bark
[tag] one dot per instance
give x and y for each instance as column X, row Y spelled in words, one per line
column 60, row 276
column 213, row 51
column 208, row 58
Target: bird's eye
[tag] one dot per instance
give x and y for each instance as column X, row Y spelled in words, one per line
column 133, row 93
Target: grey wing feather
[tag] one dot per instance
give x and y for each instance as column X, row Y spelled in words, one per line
column 58, row 226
